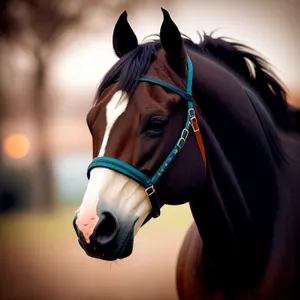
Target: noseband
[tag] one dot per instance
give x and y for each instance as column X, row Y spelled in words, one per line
column 147, row 182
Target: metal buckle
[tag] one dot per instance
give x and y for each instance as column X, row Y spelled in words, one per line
column 184, row 135
column 150, row 190
column 193, row 119
column 178, row 143
column 191, row 113
column 192, row 124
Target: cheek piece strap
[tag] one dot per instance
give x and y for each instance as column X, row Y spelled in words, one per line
column 147, row 182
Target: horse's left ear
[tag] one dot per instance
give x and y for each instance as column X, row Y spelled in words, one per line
column 172, row 43
column 124, row 39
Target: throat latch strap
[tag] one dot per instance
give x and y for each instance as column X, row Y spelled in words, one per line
column 196, row 129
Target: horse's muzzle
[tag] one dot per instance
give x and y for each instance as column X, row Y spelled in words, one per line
column 111, row 239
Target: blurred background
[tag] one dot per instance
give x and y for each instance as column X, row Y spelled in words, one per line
column 53, row 55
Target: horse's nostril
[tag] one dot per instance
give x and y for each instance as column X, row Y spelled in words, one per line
column 107, row 228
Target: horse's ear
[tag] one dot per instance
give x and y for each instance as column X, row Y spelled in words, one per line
column 172, row 43
column 124, row 39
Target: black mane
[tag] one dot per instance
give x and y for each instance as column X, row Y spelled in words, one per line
column 243, row 61
column 252, row 69
column 129, row 68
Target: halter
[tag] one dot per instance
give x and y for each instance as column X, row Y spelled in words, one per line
column 147, row 182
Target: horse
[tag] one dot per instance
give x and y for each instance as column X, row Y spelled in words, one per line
column 177, row 122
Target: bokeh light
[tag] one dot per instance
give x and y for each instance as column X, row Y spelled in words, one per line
column 17, row 146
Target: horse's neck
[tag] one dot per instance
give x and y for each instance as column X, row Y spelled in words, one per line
column 242, row 170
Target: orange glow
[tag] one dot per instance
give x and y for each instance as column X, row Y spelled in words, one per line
column 16, row 146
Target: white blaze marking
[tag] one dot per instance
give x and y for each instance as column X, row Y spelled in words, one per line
column 110, row 189
column 115, row 107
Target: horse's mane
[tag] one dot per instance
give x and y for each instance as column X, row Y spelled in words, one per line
column 254, row 71
column 243, row 61
column 129, row 68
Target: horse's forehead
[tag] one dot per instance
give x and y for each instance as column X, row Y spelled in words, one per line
column 115, row 107
column 161, row 69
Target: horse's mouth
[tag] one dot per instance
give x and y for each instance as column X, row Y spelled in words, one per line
column 120, row 247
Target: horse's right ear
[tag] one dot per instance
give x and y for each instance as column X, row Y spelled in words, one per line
column 124, row 39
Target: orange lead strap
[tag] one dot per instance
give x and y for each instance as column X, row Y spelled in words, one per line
column 199, row 139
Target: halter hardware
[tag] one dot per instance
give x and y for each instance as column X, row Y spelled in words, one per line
column 135, row 174
column 182, row 139
column 193, row 120
column 150, row 190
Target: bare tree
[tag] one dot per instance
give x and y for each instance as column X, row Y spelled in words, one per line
column 37, row 27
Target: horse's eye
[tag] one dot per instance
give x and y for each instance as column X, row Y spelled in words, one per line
column 156, row 126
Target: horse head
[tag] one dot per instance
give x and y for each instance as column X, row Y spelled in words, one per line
column 141, row 125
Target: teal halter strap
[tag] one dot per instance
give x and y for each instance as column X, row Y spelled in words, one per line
column 147, row 182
